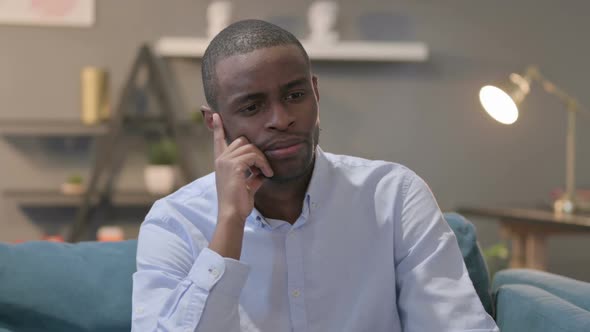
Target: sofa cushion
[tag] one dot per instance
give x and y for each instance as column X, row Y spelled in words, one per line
column 66, row 287
column 476, row 265
column 87, row 286
column 528, row 308
column 574, row 291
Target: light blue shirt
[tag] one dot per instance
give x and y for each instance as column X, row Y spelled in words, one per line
column 369, row 252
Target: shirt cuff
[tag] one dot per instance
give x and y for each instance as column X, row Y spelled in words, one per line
column 211, row 269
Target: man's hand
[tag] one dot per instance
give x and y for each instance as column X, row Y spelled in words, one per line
column 237, row 172
column 240, row 169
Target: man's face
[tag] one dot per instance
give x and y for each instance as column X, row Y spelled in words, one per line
column 270, row 97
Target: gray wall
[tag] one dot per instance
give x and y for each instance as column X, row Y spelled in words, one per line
column 425, row 115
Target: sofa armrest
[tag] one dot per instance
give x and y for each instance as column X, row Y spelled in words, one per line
column 474, row 261
column 573, row 291
column 48, row 286
column 526, row 308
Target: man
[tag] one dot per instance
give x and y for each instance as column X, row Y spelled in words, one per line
column 285, row 237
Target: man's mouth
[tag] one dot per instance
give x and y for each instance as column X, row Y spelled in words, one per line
column 284, row 149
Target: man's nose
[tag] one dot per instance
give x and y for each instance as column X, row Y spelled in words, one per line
column 280, row 117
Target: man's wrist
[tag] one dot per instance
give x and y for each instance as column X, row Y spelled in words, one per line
column 228, row 236
column 230, row 217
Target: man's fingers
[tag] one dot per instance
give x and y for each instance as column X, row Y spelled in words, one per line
column 254, row 183
column 237, row 151
column 237, row 143
column 253, row 159
column 219, row 144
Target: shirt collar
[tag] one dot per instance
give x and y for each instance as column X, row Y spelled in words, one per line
column 315, row 190
column 319, row 178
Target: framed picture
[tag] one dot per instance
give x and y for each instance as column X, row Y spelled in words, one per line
column 75, row 13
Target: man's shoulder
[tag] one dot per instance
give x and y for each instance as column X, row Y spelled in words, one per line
column 354, row 164
column 202, row 189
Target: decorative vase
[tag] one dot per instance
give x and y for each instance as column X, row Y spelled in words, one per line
column 218, row 16
column 110, row 234
column 322, row 16
column 94, row 95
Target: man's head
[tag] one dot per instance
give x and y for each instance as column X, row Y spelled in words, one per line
column 240, row 38
column 257, row 77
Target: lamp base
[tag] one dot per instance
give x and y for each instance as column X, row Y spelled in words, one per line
column 564, row 206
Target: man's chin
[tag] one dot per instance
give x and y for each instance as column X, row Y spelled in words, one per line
column 287, row 173
column 284, row 178
column 293, row 169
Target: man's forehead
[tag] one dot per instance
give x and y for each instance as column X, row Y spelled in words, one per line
column 276, row 65
column 261, row 60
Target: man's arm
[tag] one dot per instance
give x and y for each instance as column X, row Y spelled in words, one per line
column 175, row 291
column 434, row 290
column 240, row 170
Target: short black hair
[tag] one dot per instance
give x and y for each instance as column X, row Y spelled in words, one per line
column 239, row 38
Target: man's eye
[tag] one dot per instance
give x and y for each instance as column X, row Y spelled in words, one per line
column 295, row 95
column 250, row 109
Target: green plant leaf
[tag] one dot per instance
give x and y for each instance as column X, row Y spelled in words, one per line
column 75, row 179
column 163, row 152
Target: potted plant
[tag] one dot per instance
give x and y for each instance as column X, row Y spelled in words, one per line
column 496, row 257
column 160, row 174
column 74, row 185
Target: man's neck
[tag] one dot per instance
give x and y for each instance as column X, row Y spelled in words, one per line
column 283, row 200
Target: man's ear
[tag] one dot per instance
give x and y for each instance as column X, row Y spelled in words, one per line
column 314, row 80
column 207, row 116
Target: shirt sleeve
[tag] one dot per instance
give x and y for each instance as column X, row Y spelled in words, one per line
column 434, row 290
column 175, row 291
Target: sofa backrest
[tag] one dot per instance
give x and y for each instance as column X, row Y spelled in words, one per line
column 66, row 287
column 87, row 286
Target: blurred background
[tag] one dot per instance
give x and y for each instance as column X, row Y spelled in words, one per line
column 423, row 114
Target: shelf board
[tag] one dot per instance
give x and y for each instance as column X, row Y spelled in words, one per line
column 40, row 127
column 370, row 51
column 55, row 198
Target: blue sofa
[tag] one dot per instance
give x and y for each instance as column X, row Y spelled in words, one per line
column 46, row 286
column 528, row 300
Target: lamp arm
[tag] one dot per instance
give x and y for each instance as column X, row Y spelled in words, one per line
column 572, row 104
column 573, row 107
column 551, row 88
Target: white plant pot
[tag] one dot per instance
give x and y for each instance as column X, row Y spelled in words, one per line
column 159, row 179
column 72, row 189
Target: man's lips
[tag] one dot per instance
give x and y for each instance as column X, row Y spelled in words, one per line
column 282, row 143
column 284, row 149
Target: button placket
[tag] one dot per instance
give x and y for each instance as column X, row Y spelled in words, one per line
column 295, row 276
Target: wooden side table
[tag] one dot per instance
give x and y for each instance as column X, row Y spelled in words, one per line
column 528, row 230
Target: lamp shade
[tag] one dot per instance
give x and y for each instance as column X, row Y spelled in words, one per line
column 501, row 103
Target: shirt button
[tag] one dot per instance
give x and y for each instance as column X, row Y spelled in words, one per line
column 214, row 272
column 295, row 293
column 139, row 310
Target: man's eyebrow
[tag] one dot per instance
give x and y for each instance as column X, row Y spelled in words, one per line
column 247, row 97
column 294, row 83
column 259, row 95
